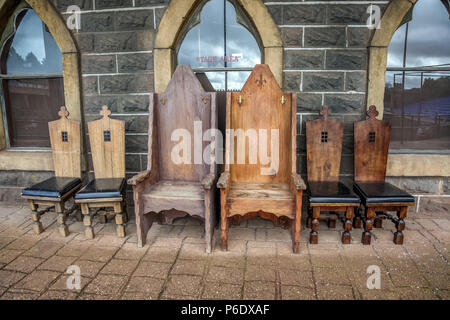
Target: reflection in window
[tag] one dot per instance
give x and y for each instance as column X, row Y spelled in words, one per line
column 417, row 95
column 219, row 40
column 32, row 82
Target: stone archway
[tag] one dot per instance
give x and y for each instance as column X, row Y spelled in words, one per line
column 177, row 15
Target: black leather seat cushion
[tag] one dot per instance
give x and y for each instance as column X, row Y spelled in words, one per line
column 381, row 192
column 55, row 187
column 102, row 188
column 331, row 192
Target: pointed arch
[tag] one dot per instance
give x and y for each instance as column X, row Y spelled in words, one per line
column 71, row 74
column 175, row 18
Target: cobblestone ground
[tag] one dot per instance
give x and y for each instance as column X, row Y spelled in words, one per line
column 258, row 265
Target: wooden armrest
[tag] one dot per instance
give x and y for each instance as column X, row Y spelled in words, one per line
column 298, row 182
column 224, row 180
column 141, row 176
column 208, row 181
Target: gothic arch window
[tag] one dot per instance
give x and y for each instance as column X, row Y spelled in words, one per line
column 417, row 91
column 31, row 73
column 220, row 41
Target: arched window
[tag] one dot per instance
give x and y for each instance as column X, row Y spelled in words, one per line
column 32, row 81
column 417, row 93
column 220, row 40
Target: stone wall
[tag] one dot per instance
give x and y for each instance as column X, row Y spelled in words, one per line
column 325, row 62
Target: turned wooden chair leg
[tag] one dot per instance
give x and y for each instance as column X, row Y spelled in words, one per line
column 309, row 218
column 378, row 223
column 119, row 219
column 35, row 217
column 297, row 223
column 223, row 220
column 314, row 235
column 332, row 222
column 346, row 236
column 357, row 218
column 400, row 225
column 60, row 210
column 368, row 224
column 87, row 221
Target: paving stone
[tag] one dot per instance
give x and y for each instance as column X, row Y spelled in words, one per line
column 259, row 273
column 111, row 240
column 278, row 234
column 225, row 275
column 61, row 284
column 296, row 277
column 24, row 264
column 101, row 254
column 188, row 285
column 37, row 280
column 194, row 251
column 136, row 296
column 106, row 285
column 416, row 294
column 334, row 292
column 152, row 269
column 57, row 263
column 44, row 249
column 58, row 295
column 150, row 286
column 73, row 249
column 167, row 242
column 444, row 224
column 259, row 290
column 188, row 267
column 87, row 296
column 120, row 267
column 222, row 291
column 228, row 259
column 4, row 241
column 25, row 295
column 241, row 233
column 375, row 294
column 161, row 254
column 23, row 243
column 89, row 268
column 438, row 280
column 297, row 293
column 326, row 260
column 330, row 276
column 6, row 256
column 260, row 235
column 8, row 278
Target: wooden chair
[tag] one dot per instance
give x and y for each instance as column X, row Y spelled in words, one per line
column 55, row 191
column 169, row 189
column 244, row 191
column 107, row 190
column 325, row 191
column 371, row 152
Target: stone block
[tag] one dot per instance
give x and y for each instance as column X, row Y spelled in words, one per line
column 292, row 37
column 292, row 81
column 98, row 64
column 325, row 37
column 346, row 59
column 126, row 83
column 304, row 14
column 134, row 20
column 356, row 81
column 106, row 4
column 136, row 62
column 345, row 103
column 307, row 102
column 323, row 81
column 97, row 22
column 348, row 14
column 303, row 60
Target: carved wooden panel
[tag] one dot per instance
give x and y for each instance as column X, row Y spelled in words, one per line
column 185, row 106
column 261, row 105
column 66, row 145
column 372, row 139
column 107, row 139
column 324, row 147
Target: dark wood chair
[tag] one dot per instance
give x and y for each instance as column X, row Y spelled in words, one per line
column 325, row 192
column 55, row 191
column 372, row 139
column 169, row 189
column 244, row 191
column 106, row 192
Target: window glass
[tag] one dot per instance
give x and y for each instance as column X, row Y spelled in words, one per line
column 217, row 38
column 33, row 49
column 417, row 95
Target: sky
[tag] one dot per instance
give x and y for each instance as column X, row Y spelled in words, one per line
column 428, row 38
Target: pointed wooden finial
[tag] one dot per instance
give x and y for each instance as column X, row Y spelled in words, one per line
column 105, row 112
column 63, row 113
column 372, row 112
column 325, row 112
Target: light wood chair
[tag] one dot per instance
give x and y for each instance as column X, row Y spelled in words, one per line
column 108, row 189
column 244, row 191
column 55, row 191
column 167, row 189
column 325, row 192
column 372, row 139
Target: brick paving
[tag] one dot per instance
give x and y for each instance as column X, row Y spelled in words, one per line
column 258, row 265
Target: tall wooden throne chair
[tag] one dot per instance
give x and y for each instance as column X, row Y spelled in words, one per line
column 372, row 139
column 174, row 187
column 106, row 192
column 55, row 191
column 252, row 184
column 325, row 192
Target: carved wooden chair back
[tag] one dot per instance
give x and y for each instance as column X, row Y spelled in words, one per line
column 261, row 104
column 66, row 145
column 372, row 138
column 324, row 147
column 183, row 114
column 107, row 140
